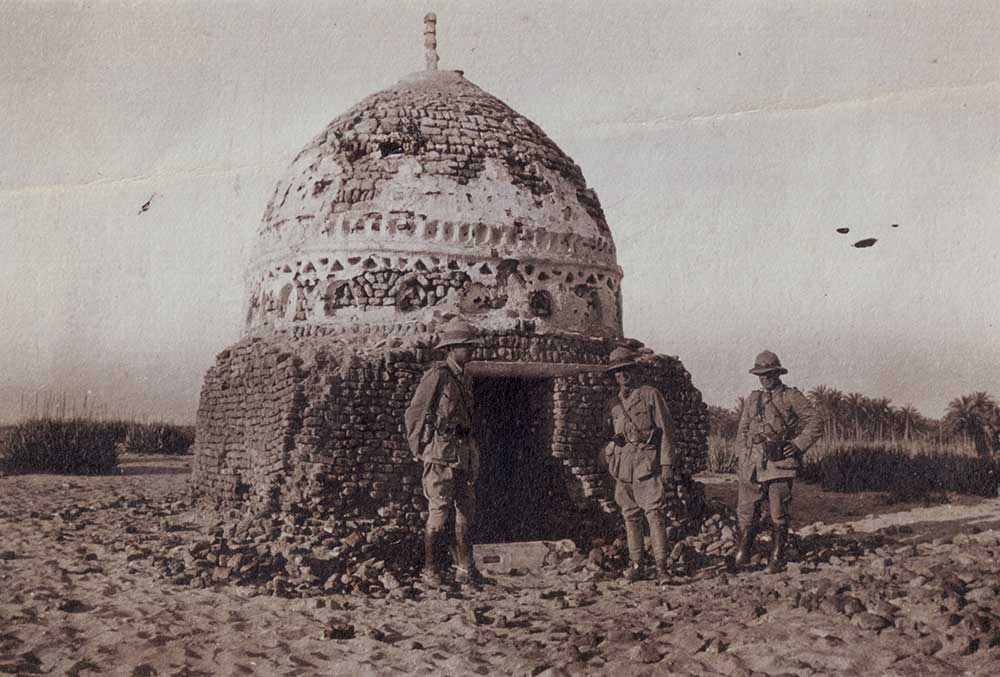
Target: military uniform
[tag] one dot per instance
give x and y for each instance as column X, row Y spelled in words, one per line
column 640, row 458
column 783, row 413
column 777, row 426
column 439, row 432
column 642, row 432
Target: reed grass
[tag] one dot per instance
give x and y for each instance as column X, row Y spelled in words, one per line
column 901, row 472
column 70, row 446
column 82, row 446
column 157, row 438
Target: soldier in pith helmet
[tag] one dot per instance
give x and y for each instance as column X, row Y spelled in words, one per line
column 640, row 459
column 439, row 432
column 777, row 426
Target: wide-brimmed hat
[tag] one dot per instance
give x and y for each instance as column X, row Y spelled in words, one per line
column 621, row 358
column 457, row 332
column 766, row 363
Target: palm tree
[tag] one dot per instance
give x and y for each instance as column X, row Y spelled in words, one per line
column 828, row 401
column 866, row 413
column 894, row 424
column 843, row 415
column 818, row 398
column 881, row 412
column 975, row 415
column 854, row 404
column 907, row 416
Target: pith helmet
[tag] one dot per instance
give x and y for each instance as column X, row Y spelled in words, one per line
column 767, row 362
column 457, row 332
column 620, row 358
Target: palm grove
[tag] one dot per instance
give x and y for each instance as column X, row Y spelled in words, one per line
column 970, row 421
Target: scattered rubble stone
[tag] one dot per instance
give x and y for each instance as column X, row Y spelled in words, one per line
column 929, row 646
column 338, row 630
column 72, row 606
column 871, row 622
column 645, row 652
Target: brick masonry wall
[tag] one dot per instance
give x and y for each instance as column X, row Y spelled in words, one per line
column 315, row 424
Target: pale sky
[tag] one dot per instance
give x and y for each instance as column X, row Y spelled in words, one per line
column 727, row 141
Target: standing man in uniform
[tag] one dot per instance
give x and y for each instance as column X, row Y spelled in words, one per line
column 439, row 432
column 777, row 426
column 640, row 459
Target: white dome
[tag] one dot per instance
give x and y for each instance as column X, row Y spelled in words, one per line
column 429, row 199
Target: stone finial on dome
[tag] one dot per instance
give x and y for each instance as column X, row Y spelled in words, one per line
column 430, row 41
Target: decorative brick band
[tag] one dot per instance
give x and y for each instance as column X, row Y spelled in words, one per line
column 407, row 233
column 379, row 290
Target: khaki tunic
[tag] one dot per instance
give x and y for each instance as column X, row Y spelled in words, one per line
column 643, row 421
column 439, row 420
column 783, row 412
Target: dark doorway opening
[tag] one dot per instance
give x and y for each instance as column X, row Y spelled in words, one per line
column 516, row 486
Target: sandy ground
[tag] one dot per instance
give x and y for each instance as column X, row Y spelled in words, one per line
column 78, row 595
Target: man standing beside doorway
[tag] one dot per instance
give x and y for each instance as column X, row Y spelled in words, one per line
column 640, row 459
column 777, row 426
column 439, row 433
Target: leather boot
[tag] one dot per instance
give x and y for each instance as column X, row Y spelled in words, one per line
column 745, row 550
column 779, row 536
column 632, row 573
column 658, row 535
column 661, row 546
column 636, row 545
column 429, row 573
column 465, row 564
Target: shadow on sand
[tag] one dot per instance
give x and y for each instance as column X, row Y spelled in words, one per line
column 135, row 469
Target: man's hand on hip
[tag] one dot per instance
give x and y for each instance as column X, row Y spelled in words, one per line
column 791, row 451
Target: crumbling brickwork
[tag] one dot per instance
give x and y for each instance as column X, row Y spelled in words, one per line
column 316, row 424
column 450, row 123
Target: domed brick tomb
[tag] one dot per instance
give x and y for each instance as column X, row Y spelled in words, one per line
column 427, row 200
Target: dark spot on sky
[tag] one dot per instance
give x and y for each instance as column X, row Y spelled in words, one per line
column 867, row 242
column 843, row 231
column 145, row 207
column 895, row 225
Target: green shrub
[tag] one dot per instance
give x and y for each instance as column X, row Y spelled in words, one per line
column 72, row 446
column 904, row 475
